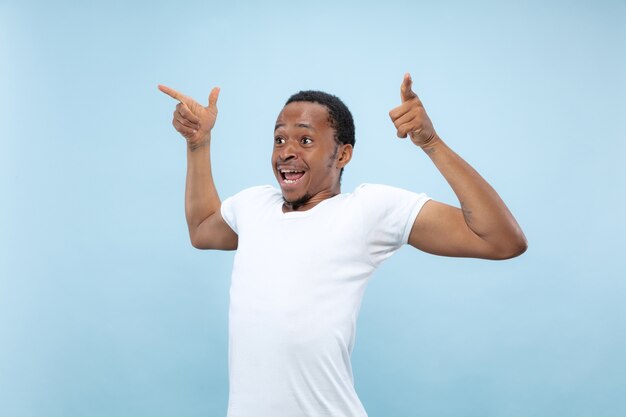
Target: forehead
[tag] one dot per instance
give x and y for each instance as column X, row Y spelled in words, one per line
column 304, row 112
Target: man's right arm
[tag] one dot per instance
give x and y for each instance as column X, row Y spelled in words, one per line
column 207, row 228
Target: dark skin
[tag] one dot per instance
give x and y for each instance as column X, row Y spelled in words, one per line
column 305, row 147
column 305, row 142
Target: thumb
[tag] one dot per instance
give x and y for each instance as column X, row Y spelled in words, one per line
column 213, row 97
column 406, row 93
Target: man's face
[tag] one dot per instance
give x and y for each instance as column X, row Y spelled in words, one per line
column 307, row 160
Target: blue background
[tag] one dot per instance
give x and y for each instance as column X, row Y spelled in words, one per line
column 107, row 310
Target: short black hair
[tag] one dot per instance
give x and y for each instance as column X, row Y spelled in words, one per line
column 339, row 115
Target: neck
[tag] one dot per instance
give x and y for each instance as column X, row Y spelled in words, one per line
column 307, row 201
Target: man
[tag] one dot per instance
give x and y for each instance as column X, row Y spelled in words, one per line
column 305, row 253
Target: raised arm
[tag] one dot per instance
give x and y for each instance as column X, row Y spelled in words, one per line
column 483, row 227
column 207, row 228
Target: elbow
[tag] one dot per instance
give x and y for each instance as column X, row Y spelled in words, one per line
column 514, row 248
column 521, row 244
column 519, row 249
column 196, row 242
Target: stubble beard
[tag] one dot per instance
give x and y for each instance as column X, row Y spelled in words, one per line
column 295, row 205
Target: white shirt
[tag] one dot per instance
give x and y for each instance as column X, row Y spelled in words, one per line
column 297, row 285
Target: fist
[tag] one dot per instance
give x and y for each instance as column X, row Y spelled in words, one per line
column 191, row 119
column 410, row 117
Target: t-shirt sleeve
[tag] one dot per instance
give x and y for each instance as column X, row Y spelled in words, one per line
column 240, row 208
column 228, row 212
column 388, row 215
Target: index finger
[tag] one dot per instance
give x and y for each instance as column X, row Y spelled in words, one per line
column 173, row 93
column 406, row 89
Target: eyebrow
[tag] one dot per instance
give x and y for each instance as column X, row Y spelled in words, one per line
column 303, row 125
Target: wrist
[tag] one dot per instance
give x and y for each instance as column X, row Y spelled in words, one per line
column 432, row 144
column 198, row 144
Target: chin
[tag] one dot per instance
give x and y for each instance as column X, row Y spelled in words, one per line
column 297, row 202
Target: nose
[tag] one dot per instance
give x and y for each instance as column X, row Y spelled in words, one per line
column 287, row 152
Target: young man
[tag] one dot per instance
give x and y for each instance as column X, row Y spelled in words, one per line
column 305, row 252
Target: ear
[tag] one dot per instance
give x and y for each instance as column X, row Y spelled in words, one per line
column 345, row 155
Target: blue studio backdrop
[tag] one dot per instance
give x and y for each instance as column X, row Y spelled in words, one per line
column 107, row 310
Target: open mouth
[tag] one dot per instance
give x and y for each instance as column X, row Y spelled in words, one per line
column 291, row 176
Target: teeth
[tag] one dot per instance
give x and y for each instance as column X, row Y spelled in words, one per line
column 285, row 172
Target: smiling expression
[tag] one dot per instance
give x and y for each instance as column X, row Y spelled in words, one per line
column 307, row 159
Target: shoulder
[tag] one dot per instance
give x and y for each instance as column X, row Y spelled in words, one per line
column 247, row 204
column 257, row 193
column 380, row 200
column 252, row 198
column 381, row 191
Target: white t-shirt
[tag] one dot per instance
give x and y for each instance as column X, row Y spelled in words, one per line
column 297, row 284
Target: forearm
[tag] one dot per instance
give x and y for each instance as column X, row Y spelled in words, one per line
column 483, row 210
column 201, row 198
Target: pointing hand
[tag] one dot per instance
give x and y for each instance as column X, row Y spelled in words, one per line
column 191, row 119
column 410, row 117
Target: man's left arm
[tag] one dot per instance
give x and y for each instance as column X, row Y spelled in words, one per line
column 483, row 227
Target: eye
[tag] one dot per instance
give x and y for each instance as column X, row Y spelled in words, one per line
column 306, row 141
column 278, row 140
